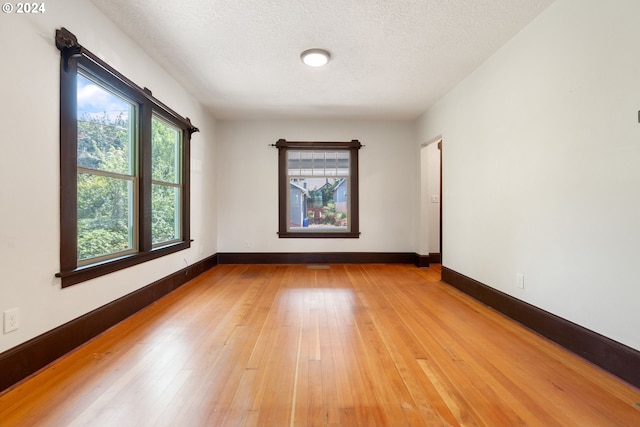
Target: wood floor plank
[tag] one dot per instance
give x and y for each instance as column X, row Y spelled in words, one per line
column 347, row 345
column 401, row 323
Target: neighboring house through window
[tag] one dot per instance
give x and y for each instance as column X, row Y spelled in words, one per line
column 124, row 160
column 318, row 189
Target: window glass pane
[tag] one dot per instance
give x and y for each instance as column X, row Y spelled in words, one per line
column 331, row 165
column 105, row 215
column 166, row 144
column 106, row 128
column 293, row 162
column 342, row 163
column 318, row 163
column 306, row 163
column 318, row 196
column 165, row 217
column 318, row 204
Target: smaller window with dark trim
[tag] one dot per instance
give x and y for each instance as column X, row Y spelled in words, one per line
column 318, row 189
column 124, row 169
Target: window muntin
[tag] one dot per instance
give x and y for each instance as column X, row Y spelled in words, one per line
column 318, row 189
column 111, row 187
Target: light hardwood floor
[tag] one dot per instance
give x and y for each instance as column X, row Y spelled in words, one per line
column 347, row 345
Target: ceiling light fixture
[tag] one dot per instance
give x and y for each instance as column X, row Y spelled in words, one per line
column 315, row 57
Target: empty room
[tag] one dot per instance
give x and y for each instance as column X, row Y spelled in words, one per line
column 297, row 213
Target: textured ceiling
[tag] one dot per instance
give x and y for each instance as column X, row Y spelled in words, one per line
column 391, row 59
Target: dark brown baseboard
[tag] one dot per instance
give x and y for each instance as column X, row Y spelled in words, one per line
column 27, row 358
column 617, row 358
column 423, row 261
column 318, row 258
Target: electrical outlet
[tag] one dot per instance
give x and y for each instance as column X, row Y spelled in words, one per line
column 11, row 320
column 520, row 280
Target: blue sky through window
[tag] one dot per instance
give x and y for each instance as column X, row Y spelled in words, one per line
column 95, row 101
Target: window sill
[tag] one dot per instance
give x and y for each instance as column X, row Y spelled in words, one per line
column 318, row 235
column 88, row 272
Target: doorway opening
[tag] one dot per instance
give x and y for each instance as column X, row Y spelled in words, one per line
column 431, row 203
column 440, row 207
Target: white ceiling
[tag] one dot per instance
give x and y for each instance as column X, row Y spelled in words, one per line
column 391, row 59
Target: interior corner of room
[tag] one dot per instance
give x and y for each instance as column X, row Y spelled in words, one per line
column 518, row 174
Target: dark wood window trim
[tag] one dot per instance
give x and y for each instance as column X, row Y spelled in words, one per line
column 73, row 56
column 283, row 184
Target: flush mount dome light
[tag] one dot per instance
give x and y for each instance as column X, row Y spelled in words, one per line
column 315, row 57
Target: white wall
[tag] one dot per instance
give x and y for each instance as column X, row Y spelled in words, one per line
column 247, row 177
column 29, row 167
column 541, row 166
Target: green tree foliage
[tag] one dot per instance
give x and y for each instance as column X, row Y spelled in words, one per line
column 328, row 190
column 104, row 143
column 322, row 198
column 165, row 148
column 104, row 202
